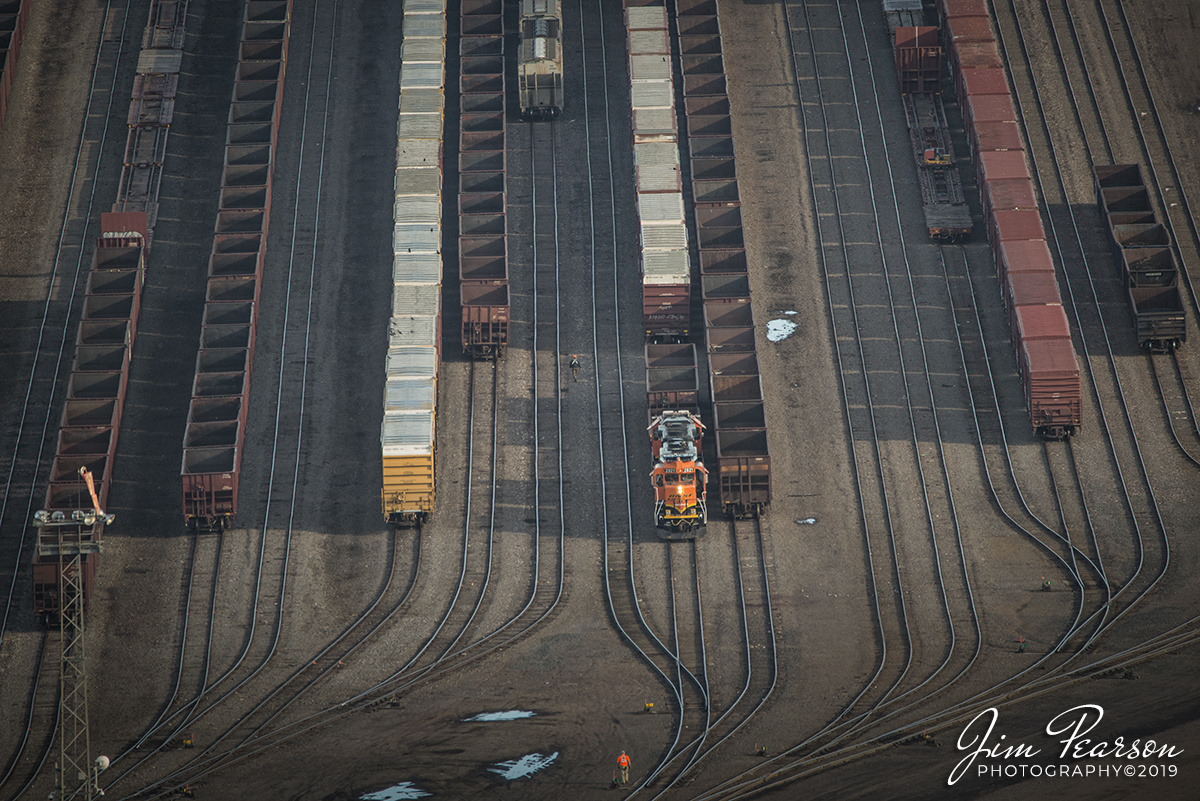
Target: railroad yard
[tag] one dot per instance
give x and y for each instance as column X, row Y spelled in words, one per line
column 924, row 555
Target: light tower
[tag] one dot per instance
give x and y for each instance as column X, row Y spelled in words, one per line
column 68, row 537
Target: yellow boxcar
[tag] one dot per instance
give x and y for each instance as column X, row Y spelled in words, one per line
column 408, row 454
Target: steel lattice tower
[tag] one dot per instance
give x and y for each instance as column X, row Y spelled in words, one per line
column 75, row 749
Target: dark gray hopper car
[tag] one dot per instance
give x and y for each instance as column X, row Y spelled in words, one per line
column 1141, row 248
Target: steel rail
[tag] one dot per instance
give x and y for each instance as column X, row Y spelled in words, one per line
column 444, row 663
column 701, row 680
column 1111, row 359
column 1106, row 143
column 1073, row 551
column 703, row 753
column 895, row 202
column 206, row 660
column 1165, row 144
column 1076, row 570
column 841, row 368
column 206, row 763
column 607, row 534
column 745, row 786
column 851, row 726
column 1187, row 396
column 861, row 720
column 699, row 746
column 842, row 238
column 920, row 339
column 256, row 596
column 77, row 178
column 78, row 167
column 1168, row 414
column 1162, row 643
column 48, row 644
column 1106, row 140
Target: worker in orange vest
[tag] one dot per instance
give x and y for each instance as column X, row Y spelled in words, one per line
column 623, row 767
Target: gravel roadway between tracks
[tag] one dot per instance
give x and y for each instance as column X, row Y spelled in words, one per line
column 585, row 686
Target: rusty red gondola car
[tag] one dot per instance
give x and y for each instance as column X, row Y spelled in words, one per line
column 1038, row 324
column 70, row 525
column 216, row 426
column 1141, row 247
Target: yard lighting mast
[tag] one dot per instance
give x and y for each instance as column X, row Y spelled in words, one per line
column 68, row 537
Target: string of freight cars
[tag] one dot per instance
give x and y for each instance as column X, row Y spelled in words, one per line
column 482, row 182
column 1041, row 335
column 739, row 427
column 678, row 476
column 742, row 475
column 919, row 70
column 216, row 427
column 72, row 521
column 70, row 526
column 409, row 426
column 1141, row 247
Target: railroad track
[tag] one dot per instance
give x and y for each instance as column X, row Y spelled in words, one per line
column 1178, row 409
column 44, row 713
column 92, row 180
column 1106, row 135
column 1152, row 134
column 623, row 557
column 267, row 578
column 1063, row 472
column 887, row 413
column 677, row 621
column 651, row 588
column 451, row 645
column 472, row 646
column 717, row 683
column 738, row 664
column 92, row 177
column 1135, row 570
column 368, row 621
column 884, row 706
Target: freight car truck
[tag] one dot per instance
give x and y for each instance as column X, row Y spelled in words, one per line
column 1159, row 317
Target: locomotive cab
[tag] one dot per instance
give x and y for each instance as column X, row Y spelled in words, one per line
column 679, row 477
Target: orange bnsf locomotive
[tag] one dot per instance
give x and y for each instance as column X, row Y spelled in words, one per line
column 679, row 477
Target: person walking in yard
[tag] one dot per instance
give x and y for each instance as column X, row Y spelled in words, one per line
column 622, row 768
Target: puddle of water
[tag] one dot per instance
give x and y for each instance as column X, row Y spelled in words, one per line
column 789, row 312
column 808, row 521
column 398, row 792
column 512, row 714
column 780, row 329
column 525, row 766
